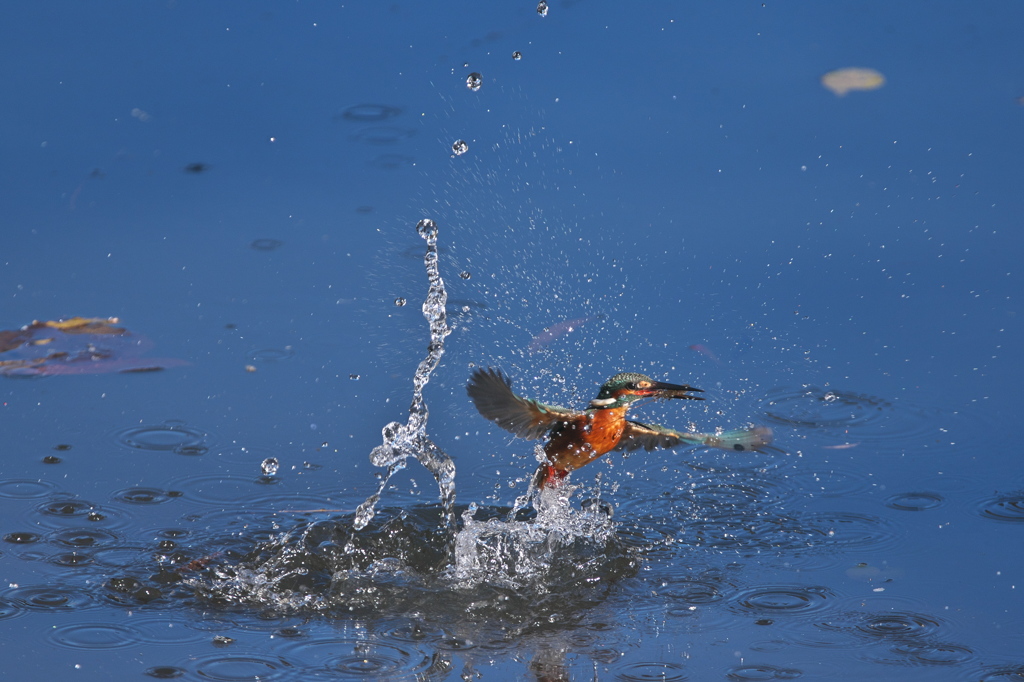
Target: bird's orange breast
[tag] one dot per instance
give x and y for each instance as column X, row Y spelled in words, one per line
column 581, row 442
column 606, row 429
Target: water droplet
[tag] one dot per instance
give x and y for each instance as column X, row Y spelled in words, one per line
column 427, row 228
column 269, row 466
column 517, row 55
column 399, row 302
column 542, row 8
column 465, row 275
column 460, row 147
column 353, row 377
column 474, row 81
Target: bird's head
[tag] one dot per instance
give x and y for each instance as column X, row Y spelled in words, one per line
column 623, row 389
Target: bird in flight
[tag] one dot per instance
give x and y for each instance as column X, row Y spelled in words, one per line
column 575, row 438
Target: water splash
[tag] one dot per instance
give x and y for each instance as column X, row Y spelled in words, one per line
column 528, row 554
column 531, row 565
column 410, row 439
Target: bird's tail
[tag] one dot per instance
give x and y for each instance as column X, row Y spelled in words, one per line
column 739, row 440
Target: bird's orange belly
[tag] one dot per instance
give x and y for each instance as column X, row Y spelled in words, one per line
column 581, row 443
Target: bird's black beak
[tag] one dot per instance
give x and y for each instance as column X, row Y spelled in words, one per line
column 660, row 389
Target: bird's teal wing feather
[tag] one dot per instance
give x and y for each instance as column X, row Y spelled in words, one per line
column 650, row 436
column 492, row 394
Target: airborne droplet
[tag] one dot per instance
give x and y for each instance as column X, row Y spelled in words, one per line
column 542, row 8
column 460, row 147
column 517, row 55
column 269, row 466
column 399, row 302
column 426, row 228
column 474, row 81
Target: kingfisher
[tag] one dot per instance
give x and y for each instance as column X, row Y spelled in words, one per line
column 576, row 438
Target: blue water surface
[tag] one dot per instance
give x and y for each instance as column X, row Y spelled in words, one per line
column 665, row 188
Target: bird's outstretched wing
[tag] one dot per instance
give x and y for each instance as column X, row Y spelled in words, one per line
column 492, row 394
column 651, row 436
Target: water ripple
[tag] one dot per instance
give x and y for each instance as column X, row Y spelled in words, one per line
column 915, row 501
column 726, row 495
column 369, row 113
column 361, row 659
column 851, row 530
column 650, row 672
column 849, row 416
column 1001, row 673
column 49, row 598
column 71, row 559
column 753, row 534
column 145, row 495
column 782, row 600
column 171, row 436
column 695, row 591
column 247, row 666
column 93, row 636
column 830, row 483
column 168, row 630
column 378, row 136
column 897, row 624
column 762, row 672
column 712, row 460
column 84, row 537
column 914, row 653
column 218, row 488
column 10, row 609
column 1008, row 507
column 23, row 489
column 65, row 510
column 409, row 632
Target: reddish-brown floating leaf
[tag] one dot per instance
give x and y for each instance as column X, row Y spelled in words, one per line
column 78, row 345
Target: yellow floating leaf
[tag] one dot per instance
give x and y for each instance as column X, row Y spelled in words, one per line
column 83, row 325
column 842, row 81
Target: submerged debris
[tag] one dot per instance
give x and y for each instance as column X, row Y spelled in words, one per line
column 555, row 331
